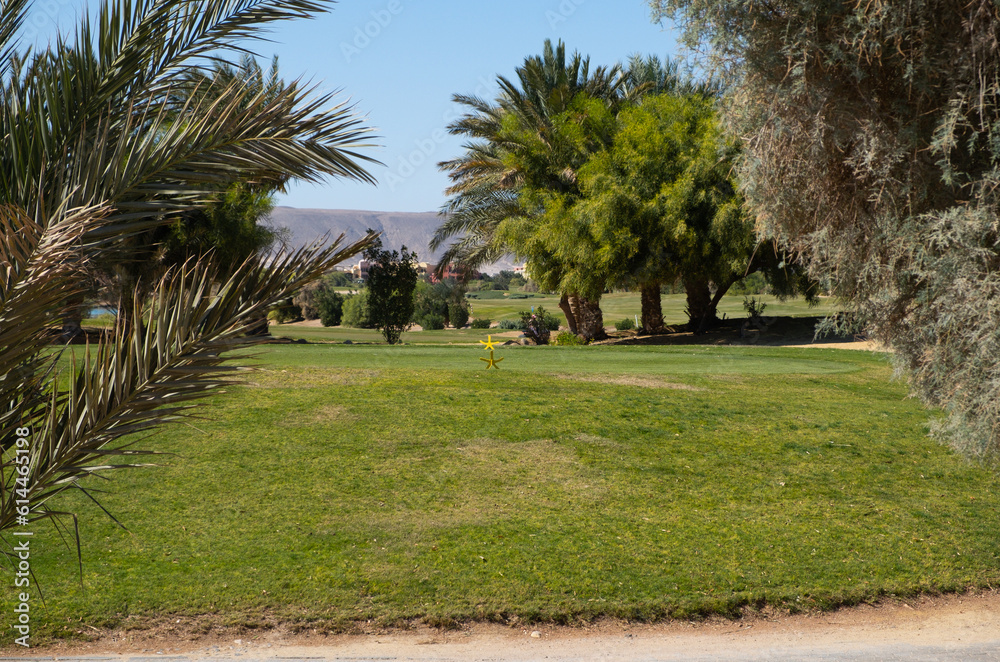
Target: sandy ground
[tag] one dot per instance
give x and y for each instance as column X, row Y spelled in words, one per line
column 943, row 623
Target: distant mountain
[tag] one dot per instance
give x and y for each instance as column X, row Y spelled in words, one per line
column 412, row 229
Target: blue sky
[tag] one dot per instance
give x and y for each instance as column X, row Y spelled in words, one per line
column 400, row 62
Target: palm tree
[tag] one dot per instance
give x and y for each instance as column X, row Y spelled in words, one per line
column 488, row 178
column 97, row 147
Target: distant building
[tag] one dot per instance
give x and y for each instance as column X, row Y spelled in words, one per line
column 449, row 272
column 360, row 271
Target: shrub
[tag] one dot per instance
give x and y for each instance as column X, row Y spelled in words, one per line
column 458, row 313
column 330, row 306
column 432, row 322
column 481, row 323
column 752, row 284
column 551, row 321
column 284, row 312
column 356, row 313
column 510, row 325
column 305, row 299
column 568, row 338
column 754, row 308
column 538, row 325
column 626, row 324
column 486, row 294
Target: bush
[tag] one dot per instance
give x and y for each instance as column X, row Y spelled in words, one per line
column 754, row 308
column 626, row 324
column 752, row 284
column 305, row 299
column 510, row 325
column 356, row 313
column 447, row 300
column 485, row 294
column 458, row 313
column 551, row 321
column 538, row 325
column 568, row 338
column 330, row 306
column 432, row 322
column 481, row 323
column 285, row 312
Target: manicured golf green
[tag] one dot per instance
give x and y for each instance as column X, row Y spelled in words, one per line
column 344, row 484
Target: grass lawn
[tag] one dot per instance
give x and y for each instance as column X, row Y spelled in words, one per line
column 356, row 483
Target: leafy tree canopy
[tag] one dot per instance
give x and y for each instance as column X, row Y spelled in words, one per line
column 392, row 278
column 870, row 146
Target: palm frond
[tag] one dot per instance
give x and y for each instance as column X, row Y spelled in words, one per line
column 178, row 351
column 39, row 273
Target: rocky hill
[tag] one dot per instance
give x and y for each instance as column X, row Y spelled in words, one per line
column 411, row 229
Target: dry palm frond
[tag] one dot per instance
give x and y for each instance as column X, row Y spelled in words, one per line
column 178, row 351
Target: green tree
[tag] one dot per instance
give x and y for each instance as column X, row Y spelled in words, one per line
column 662, row 203
column 392, row 278
column 444, row 300
column 524, row 148
column 85, row 166
column 458, row 313
column 330, row 307
column 356, row 311
column 870, row 147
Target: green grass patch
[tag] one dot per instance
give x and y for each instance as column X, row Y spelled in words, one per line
column 356, row 483
column 495, row 306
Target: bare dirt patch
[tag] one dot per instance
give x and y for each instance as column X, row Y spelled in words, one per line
column 306, row 377
column 630, row 380
column 777, row 332
column 939, row 620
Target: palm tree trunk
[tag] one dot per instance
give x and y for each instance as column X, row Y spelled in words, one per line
column 590, row 319
column 71, row 323
column 652, row 310
column 567, row 308
column 700, row 310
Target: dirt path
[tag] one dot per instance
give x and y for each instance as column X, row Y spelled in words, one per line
column 939, row 628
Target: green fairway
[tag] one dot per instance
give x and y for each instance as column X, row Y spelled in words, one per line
column 615, row 306
column 619, row 305
column 348, row 483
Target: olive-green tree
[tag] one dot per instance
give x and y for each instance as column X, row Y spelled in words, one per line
column 663, row 204
column 392, row 278
column 870, row 147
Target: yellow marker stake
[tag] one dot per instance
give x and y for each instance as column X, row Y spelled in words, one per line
column 489, row 345
column 491, row 362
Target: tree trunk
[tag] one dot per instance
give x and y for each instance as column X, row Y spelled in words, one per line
column 564, row 305
column 71, row 323
column 590, row 319
column 700, row 310
column 719, row 293
column 259, row 327
column 652, row 310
